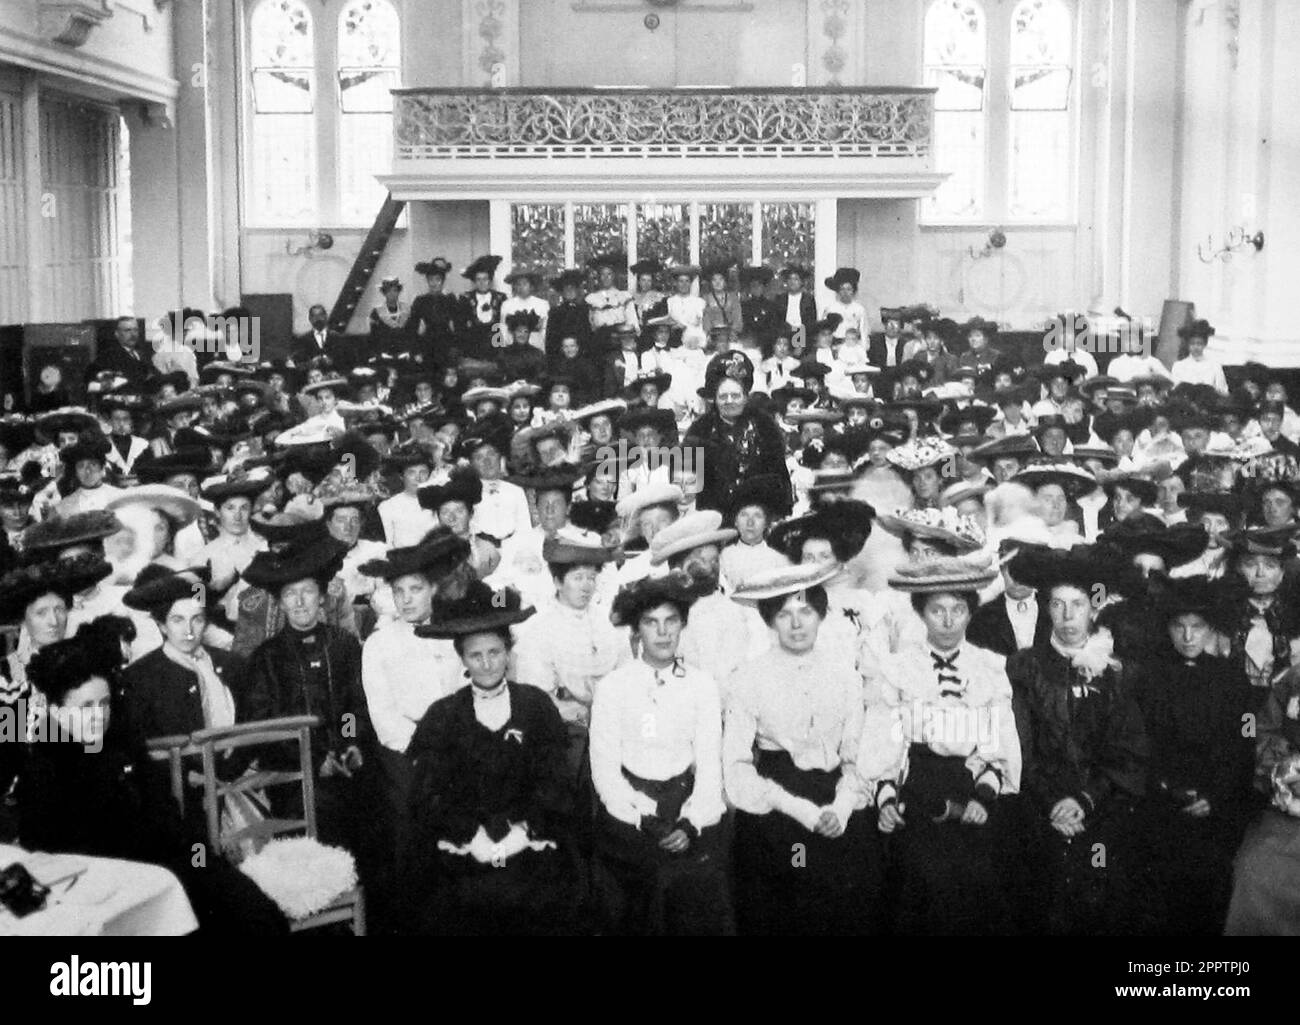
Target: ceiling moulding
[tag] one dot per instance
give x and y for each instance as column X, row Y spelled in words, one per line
column 70, row 22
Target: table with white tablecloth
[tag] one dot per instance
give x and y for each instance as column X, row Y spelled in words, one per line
column 99, row 897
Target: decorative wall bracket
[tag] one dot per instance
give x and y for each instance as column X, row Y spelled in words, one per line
column 70, row 22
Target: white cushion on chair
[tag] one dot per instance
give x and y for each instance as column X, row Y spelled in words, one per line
column 302, row 875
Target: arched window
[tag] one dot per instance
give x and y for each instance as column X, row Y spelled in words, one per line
column 368, row 61
column 282, row 157
column 1041, row 79
column 956, row 62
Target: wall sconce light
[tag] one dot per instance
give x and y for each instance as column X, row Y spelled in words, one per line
column 321, row 240
column 1235, row 242
column 997, row 240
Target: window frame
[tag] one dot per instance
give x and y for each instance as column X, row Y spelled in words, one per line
column 998, row 117
column 326, row 120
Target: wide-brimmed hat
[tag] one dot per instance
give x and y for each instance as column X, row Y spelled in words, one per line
column 178, row 506
column 847, row 520
column 338, row 385
column 1207, row 598
column 1225, row 503
column 1103, row 454
column 963, row 533
column 944, row 574
column 436, row 555
column 844, row 276
column 1017, row 446
column 780, row 581
column 654, row 493
column 570, row 276
column 567, row 551
column 965, row 489
column 1066, row 368
column 314, row 560
column 530, row 274
column 814, row 416
column 238, row 483
column 438, row 265
column 333, row 492
column 979, row 415
column 1074, row 480
column 1083, row 566
column 646, row 265
column 57, row 532
column 482, row 265
column 662, row 420
column 523, row 318
column 547, row 478
column 635, row 599
column 193, row 461
column 158, row 586
column 613, row 408
column 65, row 419
column 481, row 610
column 403, row 457
column 1196, row 329
column 1176, row 545
column 921, row 452
column 463, row 485
column 659, row 379
column 1275, row 541
column 302, row 520
column 471, row 396
column 64, row 577
column 694, row 530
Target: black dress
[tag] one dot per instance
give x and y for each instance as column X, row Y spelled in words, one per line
column 431, row 328
column 110, row 805
column 733, row 453
column 468, row 776
column 1195, row 717
column 1083, row 739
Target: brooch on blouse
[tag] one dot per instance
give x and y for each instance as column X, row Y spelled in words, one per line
column 517, row 735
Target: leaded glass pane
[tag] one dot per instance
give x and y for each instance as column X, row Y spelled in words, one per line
column 537, row 237
column 280, row 35
column 726, row 233
column 789, row 233
column 663, row 231
column 956, row 63
column 598, row 230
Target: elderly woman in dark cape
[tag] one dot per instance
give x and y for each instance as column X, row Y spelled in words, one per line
column 1194, row 705
column 1084, row 751
column 490, row 802
column 737, row 442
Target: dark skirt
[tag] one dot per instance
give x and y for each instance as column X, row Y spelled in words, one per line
column 642, row 890
column 532, row 894
column 948, row 878
column 1266, row 879
column 1188, row 864
column 793, row 882
column 1090, row 884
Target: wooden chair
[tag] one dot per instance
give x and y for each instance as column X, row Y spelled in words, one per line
column 212, row 745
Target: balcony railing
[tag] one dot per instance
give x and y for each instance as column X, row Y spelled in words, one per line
column 675, row 123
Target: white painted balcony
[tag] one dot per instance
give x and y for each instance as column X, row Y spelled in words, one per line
column 533, row 144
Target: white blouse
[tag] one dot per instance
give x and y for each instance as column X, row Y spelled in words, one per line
column 402, row 675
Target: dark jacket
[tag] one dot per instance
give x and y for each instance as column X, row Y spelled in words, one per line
column 466, row 776
column 990, row 627
column 760, row 319
column 281, row 681
column 728, row 455
column 433, row 325
column 807, row 313
column 878, row 354
column 586, row 379
column 475, row 338
column 613, row 368
column 163, row 698
column 305, row 349
column 1078, row 738
column 521, row 363
column 135, row 365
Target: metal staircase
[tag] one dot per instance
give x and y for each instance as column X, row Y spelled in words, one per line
column 366, row 262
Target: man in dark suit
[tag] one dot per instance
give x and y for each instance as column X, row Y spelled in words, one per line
column 886, row 351
column 321, row 341
column 1014, row 620
column 796, row 309
column 125, row 356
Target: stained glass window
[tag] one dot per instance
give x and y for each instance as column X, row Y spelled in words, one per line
column 1041, row 84
column 663, row 231
column 598, row 230
column 789, row 233
column 956, row 63
column 537, row 237
column 282, row 152
column 369, row 56
column 726, row 233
